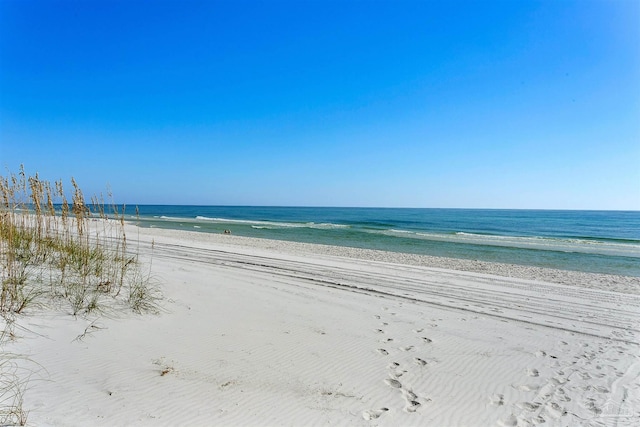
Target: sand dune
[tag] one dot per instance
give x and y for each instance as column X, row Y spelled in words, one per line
column 272, row 333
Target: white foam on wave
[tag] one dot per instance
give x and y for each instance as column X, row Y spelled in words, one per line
column 327, row 225
column 525, row 242
column 257, row 224
column 265, row 224
column 401, row 231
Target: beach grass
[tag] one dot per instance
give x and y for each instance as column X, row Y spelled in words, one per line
column 62, row 254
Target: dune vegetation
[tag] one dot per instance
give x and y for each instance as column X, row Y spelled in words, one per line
column 63, row 254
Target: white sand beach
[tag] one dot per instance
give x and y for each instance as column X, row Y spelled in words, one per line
column 260, row 332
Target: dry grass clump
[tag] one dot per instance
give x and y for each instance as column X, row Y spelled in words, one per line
column 12, row 388
column 63, row 254
column 55, row 250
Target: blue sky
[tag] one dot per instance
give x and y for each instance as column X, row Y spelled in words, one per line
column 507, row 104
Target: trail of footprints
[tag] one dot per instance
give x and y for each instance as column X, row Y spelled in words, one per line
column 587, row 374
column 396, row 369
column 569, row 384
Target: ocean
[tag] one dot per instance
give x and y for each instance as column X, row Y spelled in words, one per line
column 590, row 241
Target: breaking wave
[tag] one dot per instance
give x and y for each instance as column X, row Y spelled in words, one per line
column 593, row 246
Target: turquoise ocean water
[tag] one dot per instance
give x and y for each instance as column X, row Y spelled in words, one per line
column 593, row 241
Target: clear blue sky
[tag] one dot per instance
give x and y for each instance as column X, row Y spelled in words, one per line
column 507, row 104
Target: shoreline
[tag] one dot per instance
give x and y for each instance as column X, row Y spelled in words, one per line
column 612, row 282
column 582, row 241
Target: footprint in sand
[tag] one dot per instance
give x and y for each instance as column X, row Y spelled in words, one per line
column 584, row 375
column 561, row 395
column 538, row 420
column 412, row 406
column 419, row 361
column 396, row 372
column 497, row 400
column 412, row 401
column 393, row 383
column 417, row 331
column 374, row 414
column 532, row 372
column 590, row 404
column 528, row 406
column 407, row 348
column 555, row 410
column 409, row 395
column 601, row 389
